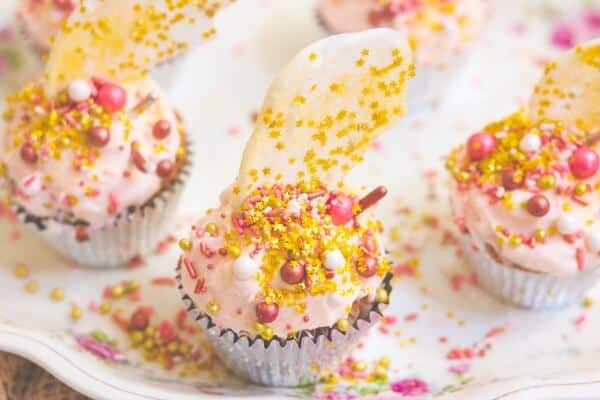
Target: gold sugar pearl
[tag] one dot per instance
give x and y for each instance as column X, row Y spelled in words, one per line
column 211, row 228
column 359, row 366
column 581, row 189
column 515, row 241
column 384, row 362
column 234, row 251
column 132, row 286
column 185, row 244
column 258, row 327
column 136, row 337
column 343, row 325
column 539, row 235
column 32, row 287
column 57, row 294
column 547, row 182
column 105, row 307
column 21, row 271
column 381, row 296
column 267, row 333
column 117, row 291
column 380, row 372
column 75, row 313
column 212, row 307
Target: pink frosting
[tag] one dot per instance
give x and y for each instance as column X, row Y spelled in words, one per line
column 556, row 256
column 547, row 220
column 438, row 35
column 42, row 188
column 237, row 298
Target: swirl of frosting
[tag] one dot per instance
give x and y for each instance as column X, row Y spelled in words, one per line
column 90, row 152
column 291, row 258
column 525, row 192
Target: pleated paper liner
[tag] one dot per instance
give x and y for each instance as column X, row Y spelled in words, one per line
column 289, row 362
column 528, row 289
column 133, row 233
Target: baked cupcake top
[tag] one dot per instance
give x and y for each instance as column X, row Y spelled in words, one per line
column 96, row 136
column 42, row 19
column 526, row 186
column 437, row 29
column 291, row 247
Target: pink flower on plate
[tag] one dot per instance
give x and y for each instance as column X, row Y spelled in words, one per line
column 575, row 29
column 334, row 395
column 409, row 387
column 563, row 36
column 459, row 369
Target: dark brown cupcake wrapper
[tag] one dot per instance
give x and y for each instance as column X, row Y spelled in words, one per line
column 134, row 232
column 286, row 362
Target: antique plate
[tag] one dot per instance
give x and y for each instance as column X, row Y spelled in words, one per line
column 436, row 313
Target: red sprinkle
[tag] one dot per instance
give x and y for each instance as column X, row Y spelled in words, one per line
column 410, row 317
column 200, row 286
column 580, row 255
column 205, row 250
column 190, row 267
column 163, row 280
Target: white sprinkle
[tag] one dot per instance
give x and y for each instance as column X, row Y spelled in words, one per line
column 334, row 259
column 267, row 210
column 530, row 142
column 593, row 241
column 244, row 268
column 293, row 207
column 567, row 225
column 79, row 90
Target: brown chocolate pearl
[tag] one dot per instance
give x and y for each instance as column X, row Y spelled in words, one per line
column 139, row 321
column 161, row 129
column 98, row 136
column 369, row 269
column 165, row 168
column 538, row 205
column 292, row 273
column 510, row 181
column 28, row 154
column 266, row 313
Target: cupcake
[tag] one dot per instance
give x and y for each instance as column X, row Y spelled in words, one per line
column 94, row 156
column 41, row 20
column 289, row 272
column 524, row 191
column 439, row 31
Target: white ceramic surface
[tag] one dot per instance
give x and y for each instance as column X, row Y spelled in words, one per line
column 542, row 355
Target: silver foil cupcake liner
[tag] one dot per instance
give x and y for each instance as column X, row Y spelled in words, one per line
column 526, row 289
column 135, row 232
column 288, row 362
